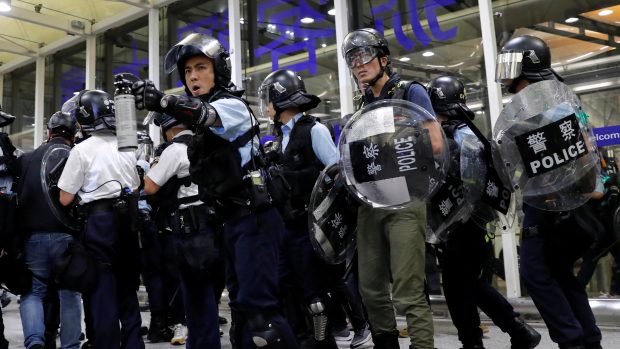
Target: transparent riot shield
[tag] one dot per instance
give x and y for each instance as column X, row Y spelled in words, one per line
column 52, row 165
column 547, row 147
column 393, row 153
column 448, row 207
column 332, row 217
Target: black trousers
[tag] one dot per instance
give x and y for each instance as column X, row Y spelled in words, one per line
column 466, row 289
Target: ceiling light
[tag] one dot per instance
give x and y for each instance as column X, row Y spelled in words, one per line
column 307, row 20
column 605, row 12
column 5, row 5
column 404, row 59
column 428, row 54
column 592, row 86
column 305, row 39
column 323, row 45
column 571, row 20
column 332, row 12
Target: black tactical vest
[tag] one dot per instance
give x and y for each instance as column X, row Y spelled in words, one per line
column 301, row 165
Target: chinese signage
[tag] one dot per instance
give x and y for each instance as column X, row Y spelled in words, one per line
column 551, row 146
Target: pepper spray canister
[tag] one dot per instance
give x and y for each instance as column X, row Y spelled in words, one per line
column 125, row 105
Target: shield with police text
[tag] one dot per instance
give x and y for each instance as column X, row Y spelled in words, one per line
column 547, row 147
column 53, row 163
column 393, row 153
column 332, row 217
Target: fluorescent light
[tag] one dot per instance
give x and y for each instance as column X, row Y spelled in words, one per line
column 571, row 20
column 428, row 54
column 332, row 12
column 592, row 86
column 305, row 39
column 5, row 5
column 307, row 20
column 323, row 45
column 404, row 59
column 605, row 12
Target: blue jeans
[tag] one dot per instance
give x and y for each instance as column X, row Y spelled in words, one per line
column 42, row 250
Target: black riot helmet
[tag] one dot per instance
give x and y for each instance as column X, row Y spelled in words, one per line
column 163, row 120
column 285, row 89
column 448, row 97
column 5, row 118
column 362, row 46
column 63, row 124
column 525, row 57
column 199, row 44
column 93, row 109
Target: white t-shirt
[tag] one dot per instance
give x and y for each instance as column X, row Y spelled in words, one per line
column 173, row 161
column 96, row 169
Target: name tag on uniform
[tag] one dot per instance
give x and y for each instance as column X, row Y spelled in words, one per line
column 551, row 146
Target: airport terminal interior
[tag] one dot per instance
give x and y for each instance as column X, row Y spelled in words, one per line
column 52, row 49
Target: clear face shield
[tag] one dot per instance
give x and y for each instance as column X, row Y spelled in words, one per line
column 509, row 65
column 206, row 44
column 360, row 56
column 263, row 101
column 71, row 105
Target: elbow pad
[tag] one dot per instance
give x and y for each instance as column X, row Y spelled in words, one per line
column 189, row 110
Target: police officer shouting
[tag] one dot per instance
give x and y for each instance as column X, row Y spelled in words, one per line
column 193, row 233
column 391, row 242
column 103, row 177
column 463, row 255
column 47, row 237
column 304, row 148
column 552, row 241
column 224, row 163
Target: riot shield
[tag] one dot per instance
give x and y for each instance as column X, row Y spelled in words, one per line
column 53, row 163
column 386, row 153
column 332, row 217
column 448, row 207
column 547, row 147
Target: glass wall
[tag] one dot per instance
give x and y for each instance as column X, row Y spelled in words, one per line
column 19, row 101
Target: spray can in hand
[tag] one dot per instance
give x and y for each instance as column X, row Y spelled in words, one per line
column 125, row 104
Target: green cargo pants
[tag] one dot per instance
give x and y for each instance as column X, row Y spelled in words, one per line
column 391, row 249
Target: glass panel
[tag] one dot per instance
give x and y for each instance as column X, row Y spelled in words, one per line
column 297, row 35
column 19, row 101
column 583, row 38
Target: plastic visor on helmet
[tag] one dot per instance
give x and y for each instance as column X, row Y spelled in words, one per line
column 208, row 45
column 5, row 118
column 387, row 154
column 263, row 100
column 361, row 55
column 547, row 147
column 332, row 218
column 509, row 65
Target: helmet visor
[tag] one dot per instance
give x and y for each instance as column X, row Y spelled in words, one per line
column 509, row 65
column 263, row 100
column 208, row 45
column 361, row 56
column 71, row 105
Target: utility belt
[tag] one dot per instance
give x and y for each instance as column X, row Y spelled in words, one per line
column 124, row 207
column 193, row 219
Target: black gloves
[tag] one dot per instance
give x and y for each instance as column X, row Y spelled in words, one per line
column 147, row 95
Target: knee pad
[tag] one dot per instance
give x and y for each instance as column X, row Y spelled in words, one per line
column 264, row 332
column 319, row 319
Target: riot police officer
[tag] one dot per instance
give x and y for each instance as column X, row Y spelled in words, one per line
column 102, row 180
column 194, row 233
column 303, row 148
column 462, row 256
column 224, row 163
column 390, row 242
column 47, row 237
column 7, row 159
column 551, row 241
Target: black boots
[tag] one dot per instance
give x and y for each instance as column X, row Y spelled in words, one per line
column 386, row 340
column 158, row 331
column 522, row 335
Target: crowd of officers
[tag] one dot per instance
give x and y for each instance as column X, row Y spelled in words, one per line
column 200, row 216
